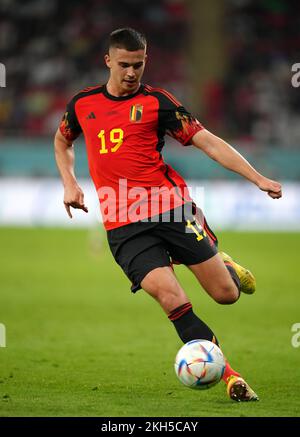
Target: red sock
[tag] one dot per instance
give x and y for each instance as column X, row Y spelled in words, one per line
column 228, row 372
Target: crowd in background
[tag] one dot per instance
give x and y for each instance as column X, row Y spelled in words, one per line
column 52, row 49
column 256, row 101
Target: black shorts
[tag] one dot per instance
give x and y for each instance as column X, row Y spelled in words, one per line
column 145, row 245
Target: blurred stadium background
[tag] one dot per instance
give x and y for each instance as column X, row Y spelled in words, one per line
column 230, row 62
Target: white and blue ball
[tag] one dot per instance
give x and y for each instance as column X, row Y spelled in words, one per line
column 200, row 364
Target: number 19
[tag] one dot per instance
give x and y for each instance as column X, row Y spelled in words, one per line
column 116, row 137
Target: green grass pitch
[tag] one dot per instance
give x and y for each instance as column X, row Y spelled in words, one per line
column 80, row 344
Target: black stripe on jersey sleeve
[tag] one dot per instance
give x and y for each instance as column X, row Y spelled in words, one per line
column 70, row 126
column 173, row 118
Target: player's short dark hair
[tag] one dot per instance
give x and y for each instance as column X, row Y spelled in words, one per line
column 128, row 39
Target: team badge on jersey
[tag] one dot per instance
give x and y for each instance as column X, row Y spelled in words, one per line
column 136, row 112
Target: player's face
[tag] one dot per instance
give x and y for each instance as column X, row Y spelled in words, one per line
column 126, row 69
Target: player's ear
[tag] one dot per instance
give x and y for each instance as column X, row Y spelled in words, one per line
column 146, row 57
column 107, row 60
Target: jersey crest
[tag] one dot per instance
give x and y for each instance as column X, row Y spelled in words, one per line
column 136, row 112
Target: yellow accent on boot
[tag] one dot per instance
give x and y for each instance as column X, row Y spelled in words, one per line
column 238, row 390
column 247, row 280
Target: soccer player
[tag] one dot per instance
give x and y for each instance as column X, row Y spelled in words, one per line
column 150, row 219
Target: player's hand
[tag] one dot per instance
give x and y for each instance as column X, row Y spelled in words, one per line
column 74, row 198
column 273, row 188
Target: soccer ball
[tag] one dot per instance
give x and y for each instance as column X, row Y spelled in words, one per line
column 199, row 364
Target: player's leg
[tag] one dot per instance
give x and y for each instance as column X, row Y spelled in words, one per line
column 223, row 289
column 146, row 262
column 246, row 278
column 162, row 284
column 189, row 243
column 247, row 283
column 216, row 279
column 199, row 252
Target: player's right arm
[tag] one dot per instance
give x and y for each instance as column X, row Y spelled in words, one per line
column 65, row 158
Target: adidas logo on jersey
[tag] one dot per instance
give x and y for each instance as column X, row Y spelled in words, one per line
column 91, row 115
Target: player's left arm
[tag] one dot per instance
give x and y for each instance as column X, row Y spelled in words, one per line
column 228, row 157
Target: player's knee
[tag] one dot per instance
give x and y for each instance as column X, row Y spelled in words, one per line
column 170, row 294
column 227, row 295
column 168, row 297
column 164, row 288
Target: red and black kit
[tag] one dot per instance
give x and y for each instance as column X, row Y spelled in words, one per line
column 124, row 139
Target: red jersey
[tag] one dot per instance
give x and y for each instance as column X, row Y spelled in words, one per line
column 124, row 138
